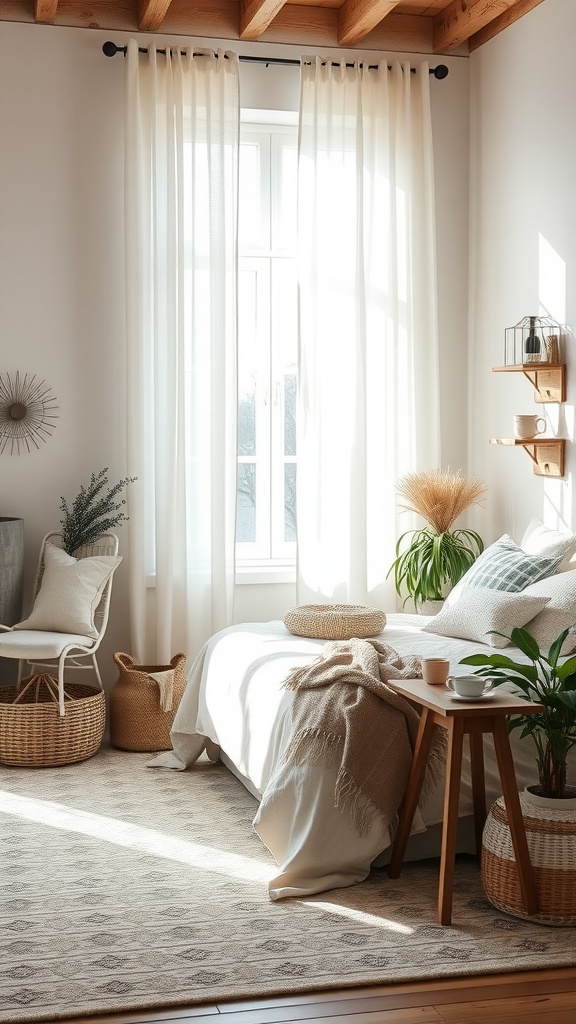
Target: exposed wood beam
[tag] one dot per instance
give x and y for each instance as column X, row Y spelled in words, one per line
column 501, row 22
column 45, row 11
column 296, row 24
column 465, row 17
column 256, row 15
column 151, row 14
column 358, row 17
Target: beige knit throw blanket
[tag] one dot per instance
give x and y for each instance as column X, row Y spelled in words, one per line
column 343, row 709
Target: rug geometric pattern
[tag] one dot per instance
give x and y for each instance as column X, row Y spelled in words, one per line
column 125, row 887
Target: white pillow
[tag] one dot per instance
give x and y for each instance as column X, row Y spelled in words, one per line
column 504, row 566
column 541, row 540
column 70, row 592
column 481, row 609
column 559, row 614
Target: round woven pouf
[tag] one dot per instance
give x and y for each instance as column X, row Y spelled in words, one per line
column 551, row 836
column 334, row 621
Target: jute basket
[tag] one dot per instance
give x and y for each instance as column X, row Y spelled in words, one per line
column 334, row 621
column 33, row 734
column 142, row 708
column 551, row 837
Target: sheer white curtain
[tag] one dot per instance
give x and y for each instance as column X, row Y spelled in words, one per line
column 182, row 128
column 369, row 394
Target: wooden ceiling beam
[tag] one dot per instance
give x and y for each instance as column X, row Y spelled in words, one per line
column 358, row 17
column 463, row 18
column 151, row 14
column 45, row 11
column 256, row 16
column 513, row 14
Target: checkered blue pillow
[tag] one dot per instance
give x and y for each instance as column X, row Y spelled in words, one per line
column 505, row 566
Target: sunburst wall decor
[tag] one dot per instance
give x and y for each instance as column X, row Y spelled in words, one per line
column 27, row 411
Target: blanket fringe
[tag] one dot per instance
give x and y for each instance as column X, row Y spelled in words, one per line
column 312, row 746
column 362, row 811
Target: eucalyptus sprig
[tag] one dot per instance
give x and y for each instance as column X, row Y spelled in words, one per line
column 93, row 511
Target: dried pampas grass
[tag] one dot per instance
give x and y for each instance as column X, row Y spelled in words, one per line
column 440, row 496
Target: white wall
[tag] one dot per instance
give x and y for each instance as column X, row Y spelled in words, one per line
column 523, row 246
column 61, row 269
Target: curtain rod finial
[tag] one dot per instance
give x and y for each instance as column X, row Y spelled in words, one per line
column 109, row 49
column 440, row 71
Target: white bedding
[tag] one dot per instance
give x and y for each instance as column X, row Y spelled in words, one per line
column 235, row 706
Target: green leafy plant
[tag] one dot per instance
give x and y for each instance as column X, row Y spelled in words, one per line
column 92, row 512
column 546, row 681
column 433, row 557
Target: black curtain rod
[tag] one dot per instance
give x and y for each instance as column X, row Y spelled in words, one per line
column 110, row 49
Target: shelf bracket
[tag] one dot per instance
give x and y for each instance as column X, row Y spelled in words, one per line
column 547, row 454
column 549, row 383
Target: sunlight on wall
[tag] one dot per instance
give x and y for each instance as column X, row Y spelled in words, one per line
column 558, row 501
column 124, row 833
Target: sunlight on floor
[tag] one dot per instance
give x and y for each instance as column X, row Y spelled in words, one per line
column 123, row 833
column 360, row 917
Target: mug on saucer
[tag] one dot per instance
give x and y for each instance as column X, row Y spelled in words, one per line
column 470, row 686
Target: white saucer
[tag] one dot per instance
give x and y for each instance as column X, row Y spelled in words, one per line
column 472, row 700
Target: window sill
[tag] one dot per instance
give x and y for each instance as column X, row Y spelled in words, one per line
column 269, row 572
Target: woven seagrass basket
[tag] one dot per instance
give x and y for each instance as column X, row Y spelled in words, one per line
column 33, row 734
column 138, row 720
column 551, row 837
column 334, row 621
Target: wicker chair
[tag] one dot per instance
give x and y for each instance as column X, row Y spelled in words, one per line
column 43, row 649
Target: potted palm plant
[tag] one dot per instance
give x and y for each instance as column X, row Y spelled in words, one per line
column 549, row 807
column 433, row 558
column 548, row 681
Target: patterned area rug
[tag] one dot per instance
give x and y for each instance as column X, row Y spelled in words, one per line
column 126, row 887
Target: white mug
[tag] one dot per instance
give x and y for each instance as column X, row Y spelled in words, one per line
column 528, row 426
column 470, row 686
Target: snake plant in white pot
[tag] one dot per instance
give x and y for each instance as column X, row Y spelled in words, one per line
column 433, row 558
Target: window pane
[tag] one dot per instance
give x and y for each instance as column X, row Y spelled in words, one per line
column 290, row 414
column 247, row 361
column 290, row 502
column 246, row 504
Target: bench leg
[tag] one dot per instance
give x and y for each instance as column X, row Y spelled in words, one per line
column 411, row 797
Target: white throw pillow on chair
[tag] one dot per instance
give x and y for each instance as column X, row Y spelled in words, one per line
column 70, row 592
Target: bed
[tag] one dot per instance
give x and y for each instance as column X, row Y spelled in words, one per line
column 236, row 708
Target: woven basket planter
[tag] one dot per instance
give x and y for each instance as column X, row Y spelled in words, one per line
column 33, row 734
column 143, row 708
column 334, row 621
column 551, row 837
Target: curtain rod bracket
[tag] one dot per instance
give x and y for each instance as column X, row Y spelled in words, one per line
column 110, row 49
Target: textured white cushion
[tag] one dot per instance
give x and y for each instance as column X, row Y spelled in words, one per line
column 70, row 592
column 542, row 540
column 558, row 615
column 39, row 644
column 481, row 609
column 504, row 566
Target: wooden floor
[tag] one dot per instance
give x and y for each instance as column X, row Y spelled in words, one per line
column 535, row 997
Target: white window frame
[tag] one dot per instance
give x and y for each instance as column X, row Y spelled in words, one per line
column 269, row 556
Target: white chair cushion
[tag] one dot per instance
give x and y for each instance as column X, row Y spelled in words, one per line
column 70, row 592
column 31, row 643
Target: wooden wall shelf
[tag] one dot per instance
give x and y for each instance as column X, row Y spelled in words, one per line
column 547, row 379
column 547, row 453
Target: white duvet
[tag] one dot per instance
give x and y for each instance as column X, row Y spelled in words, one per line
column 235, row 706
